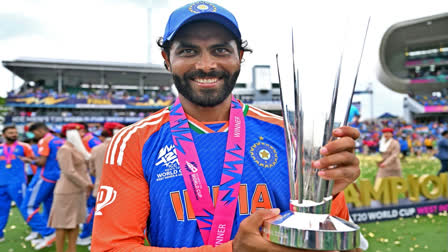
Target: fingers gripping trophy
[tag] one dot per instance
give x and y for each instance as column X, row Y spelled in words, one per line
column 317, row 75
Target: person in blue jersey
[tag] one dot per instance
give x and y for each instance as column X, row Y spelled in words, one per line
column 208, row 158
column 442, row 155
column 13, row 178
column 41, row 189
column 36, row 171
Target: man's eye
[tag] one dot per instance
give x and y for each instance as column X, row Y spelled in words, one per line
column 186, row 52
column 222, row 50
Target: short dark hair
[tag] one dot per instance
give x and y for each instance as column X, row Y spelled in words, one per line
column 7, row 127
column 86, row 126
column 445, row 132
column 37, row 125
column 107, row 133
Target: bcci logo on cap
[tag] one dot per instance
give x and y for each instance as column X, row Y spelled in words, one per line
column 106, row 195
column 202, row 6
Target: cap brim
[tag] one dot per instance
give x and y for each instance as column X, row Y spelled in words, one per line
column 212, row 17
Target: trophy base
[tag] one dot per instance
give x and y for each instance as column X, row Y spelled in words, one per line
column 311, row 231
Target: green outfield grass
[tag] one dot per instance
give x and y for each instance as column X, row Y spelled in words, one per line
column 425, row 233
column 15, row 233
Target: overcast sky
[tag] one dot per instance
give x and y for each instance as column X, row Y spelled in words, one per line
column 117, row 30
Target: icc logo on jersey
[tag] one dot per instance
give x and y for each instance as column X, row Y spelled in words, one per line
column 106, row 195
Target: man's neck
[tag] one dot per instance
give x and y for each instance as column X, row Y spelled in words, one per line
column 219, row 112
column 10, row 142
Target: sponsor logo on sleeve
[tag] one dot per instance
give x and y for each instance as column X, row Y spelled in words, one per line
column 106, row 196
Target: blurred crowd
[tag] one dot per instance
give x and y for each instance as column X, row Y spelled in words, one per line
column 59, row 170
column 432, row 100
column 163, row 94
column 415, row 139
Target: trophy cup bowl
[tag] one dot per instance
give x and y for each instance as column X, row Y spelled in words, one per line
column 316, row 94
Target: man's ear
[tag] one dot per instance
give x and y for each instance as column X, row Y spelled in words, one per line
column 166, row 61
column 241, row 55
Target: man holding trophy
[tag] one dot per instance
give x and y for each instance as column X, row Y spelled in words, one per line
column 207, row 172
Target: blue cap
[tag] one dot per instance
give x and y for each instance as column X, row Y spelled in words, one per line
column 200, row 10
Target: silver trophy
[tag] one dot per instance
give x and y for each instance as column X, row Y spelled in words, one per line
column 316, row 88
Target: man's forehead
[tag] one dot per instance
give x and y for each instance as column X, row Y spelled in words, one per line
column 203, row 31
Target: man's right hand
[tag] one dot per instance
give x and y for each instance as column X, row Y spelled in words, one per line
column 89, row 190
column 249, row 238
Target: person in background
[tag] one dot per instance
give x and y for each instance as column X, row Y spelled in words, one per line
column 30, row 169
column 99, row 152
column 404, row 148
column 41, row 189
column 390, row 165
column 353, row 114
column 442, row 155
column 12, row 173
column 429, row 145
column 89, row 140
column 72, row 188
column 417, row 145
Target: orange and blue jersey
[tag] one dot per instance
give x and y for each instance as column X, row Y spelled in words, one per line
column 15, row 173
column 48, row 146
column 142, row 191
column 89, row 140
column 12, row 178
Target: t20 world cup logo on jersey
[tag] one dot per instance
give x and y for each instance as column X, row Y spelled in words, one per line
column 167, row 163
column 106, row 196
column 167, row 157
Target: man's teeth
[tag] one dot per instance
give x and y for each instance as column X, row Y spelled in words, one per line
column 206, row 80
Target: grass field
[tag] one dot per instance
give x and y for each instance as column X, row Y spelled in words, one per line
column 424, row 233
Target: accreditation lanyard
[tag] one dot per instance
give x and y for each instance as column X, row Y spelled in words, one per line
column 8, row 155
column 215, row 224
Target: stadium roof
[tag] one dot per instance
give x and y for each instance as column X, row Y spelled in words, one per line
column 410, row 35
column 75, row 72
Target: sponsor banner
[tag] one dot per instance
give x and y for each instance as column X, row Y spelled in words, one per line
column 436, row 108
column 70, row 119
column 91, row 102
column 392, row 212
column 103, row 106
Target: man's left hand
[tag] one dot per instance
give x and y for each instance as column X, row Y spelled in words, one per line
column 340, row 154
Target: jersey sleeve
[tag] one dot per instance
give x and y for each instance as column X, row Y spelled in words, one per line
column 339, row 207
column 94, row 142
column 27, row 150
column 123, row 205
column 44, row 147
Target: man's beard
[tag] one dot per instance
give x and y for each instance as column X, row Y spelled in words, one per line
column 206, row 97
column 11, row 139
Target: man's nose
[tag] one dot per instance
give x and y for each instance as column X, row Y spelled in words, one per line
column 206, row 63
